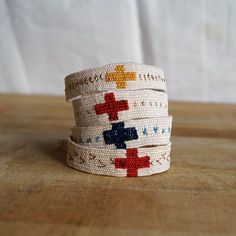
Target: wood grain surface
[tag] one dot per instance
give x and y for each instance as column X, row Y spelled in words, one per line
column 40, row 195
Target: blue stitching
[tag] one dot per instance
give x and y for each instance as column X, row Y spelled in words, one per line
column 145, row 131
column 118, row 135
column 97, row 139
column 155, row 129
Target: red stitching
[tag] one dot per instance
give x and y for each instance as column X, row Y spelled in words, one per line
column 111, row 106
column 132, row 163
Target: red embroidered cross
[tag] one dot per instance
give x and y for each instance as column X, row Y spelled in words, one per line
column 132, row 163
column 111, row 106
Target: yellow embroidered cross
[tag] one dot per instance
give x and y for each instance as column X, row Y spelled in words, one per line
column 120, row 76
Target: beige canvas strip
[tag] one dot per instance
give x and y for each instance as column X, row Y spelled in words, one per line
column 122, row 122
column 125, row 76
column 125, row 134
column 119, row 162
column 113, row 106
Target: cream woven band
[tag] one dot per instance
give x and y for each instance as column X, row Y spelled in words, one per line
column 127, row 76
column 125, row 134
column 119, row 162
column 122, row 122
column 110, row 107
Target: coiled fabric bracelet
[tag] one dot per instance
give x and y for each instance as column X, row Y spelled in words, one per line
column 129, row 162
column 122, row 122
column 110, row 107
column 127, row 76
column 125, row 134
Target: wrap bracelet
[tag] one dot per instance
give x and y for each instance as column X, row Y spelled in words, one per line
column 125, row 134
column 110, row 107
column 122, row 122
column 125, row 76
column 131, row 162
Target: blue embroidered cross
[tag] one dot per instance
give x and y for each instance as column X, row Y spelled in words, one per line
column 118, row 135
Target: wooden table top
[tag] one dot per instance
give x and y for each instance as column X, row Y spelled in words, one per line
column 40, row 195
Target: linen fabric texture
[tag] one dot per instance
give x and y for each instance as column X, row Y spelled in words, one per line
column 122, row 124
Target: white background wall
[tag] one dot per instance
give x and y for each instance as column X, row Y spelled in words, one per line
column 194, row 41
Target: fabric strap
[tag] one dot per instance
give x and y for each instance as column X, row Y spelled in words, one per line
column 119, row 162
column 122, row 122
column 127, row 76
column 113, row 106
column 125, row 134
